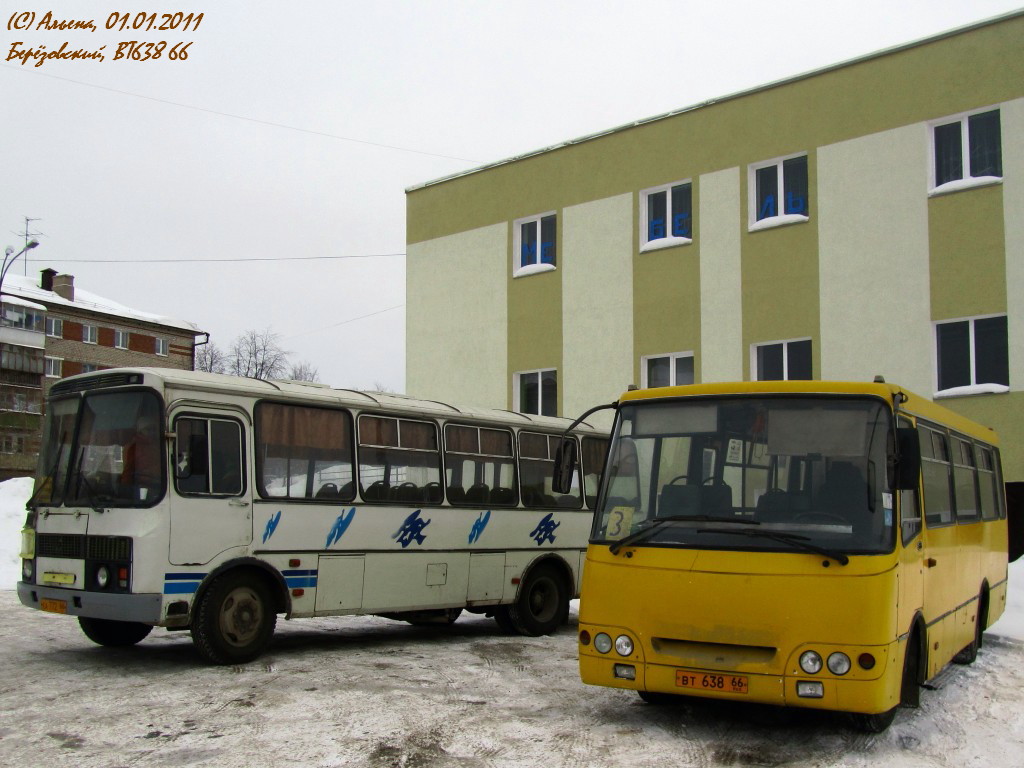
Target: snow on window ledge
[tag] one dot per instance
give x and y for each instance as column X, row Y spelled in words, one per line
column 664, row 242
column 973, row 389
column 533, row 269
column 968, row 183
column 778, row 221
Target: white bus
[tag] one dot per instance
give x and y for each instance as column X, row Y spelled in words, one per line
column 212, row 503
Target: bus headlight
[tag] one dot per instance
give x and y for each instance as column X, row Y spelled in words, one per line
column 810, row 662
column 602, row 642
column 27, row 570
column 623, row 645
column 838, row 663
column 102, row 576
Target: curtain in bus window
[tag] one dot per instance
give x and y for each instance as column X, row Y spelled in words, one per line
column 536, row 473
column 303, row 452
column 399, row 461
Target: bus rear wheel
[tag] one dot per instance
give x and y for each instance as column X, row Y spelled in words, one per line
column 969, row 654
column 114, row 634
column 234, row 620
column 542, row 605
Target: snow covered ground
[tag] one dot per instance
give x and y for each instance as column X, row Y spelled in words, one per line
column 370, row 692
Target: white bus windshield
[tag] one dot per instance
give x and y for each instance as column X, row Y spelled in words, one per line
column 102, row 449
column 705, row 473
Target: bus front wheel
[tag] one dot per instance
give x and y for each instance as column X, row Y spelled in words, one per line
column 234, row 620
column 542, row 605
column 114, row 634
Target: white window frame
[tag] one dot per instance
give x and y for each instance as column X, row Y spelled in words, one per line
column 51, row 364
column 161, row 347
column 90, row 334
column 55, row 327
column 780, row 219
column 672, row 357
column 973, row 388
column 538, row 372
column 517, row 237
column 669, row 240
column 120, row 339
column 785, row 356
column 966, row 181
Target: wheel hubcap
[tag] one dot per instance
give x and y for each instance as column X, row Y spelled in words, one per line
column 241, row 616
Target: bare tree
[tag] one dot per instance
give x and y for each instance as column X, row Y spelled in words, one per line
column 258, row 355
column 211, row 358
column 303, row 371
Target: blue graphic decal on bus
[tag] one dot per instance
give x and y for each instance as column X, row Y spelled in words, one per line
column 478, row 526
column 300, row 578
column 411, row 529
column 271, row 526
column 545, row 530
column 182, row 583
column 340, row 526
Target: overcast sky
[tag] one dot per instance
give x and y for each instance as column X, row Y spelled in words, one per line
column 293, row 129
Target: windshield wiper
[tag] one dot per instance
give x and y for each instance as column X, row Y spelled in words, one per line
column 659, row 522
column 795, row 539
column 51, row 475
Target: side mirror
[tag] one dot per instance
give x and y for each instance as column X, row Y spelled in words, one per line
column 908, row 464
column 565, row 466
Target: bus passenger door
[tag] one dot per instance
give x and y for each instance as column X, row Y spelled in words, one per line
column 211, row 498
column 911, row 572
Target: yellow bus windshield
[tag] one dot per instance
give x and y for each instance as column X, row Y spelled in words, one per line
column 758, row 473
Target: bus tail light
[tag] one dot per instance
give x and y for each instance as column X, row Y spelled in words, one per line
column 122, row 577
column 584, row 637
column 866, row 661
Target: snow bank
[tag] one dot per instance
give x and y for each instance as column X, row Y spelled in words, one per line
column 14, row 494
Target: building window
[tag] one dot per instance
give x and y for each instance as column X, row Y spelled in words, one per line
column 972, row 356
column 90, row 334
column 534, row 244
column 666, row 370
column 666, row 214
column 12, row 444
column 89, row 367
column 536, row 392
column 19, row 317
column 55, row 327
column 121, row 339
column 778, row 192
column 968, row 151
column 52, row 367
column 162, row 346
column 782, row 360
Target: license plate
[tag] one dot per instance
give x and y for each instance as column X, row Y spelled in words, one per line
column 54, row 606
column 711, row 681
column 64, row 579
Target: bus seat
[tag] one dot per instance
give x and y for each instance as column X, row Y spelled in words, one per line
column 407, row 492
column 679, row 500
column 844, row 489
column 432, row 493
column 456, row 494
column 532, row 497
column 345, row 492
column 327, row 491
column 478, row 494
column 573, row 502
column 504, row 496
column 376, row 491
column 716, row 499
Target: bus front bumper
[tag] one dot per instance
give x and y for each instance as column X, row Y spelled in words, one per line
column 145, row 608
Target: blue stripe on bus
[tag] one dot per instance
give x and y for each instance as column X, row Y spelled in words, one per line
column 300, row 581
column 181, row 588
column 184, row 576
column 310, row 572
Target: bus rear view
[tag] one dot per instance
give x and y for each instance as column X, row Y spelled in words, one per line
column 749, row 545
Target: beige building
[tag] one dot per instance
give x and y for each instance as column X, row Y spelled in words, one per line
column 864, row 219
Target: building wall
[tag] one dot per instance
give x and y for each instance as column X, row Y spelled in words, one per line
column 877, row 264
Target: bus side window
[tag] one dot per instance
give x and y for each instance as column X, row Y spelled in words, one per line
column 208, row 457
column 935, row 475
column 595, row 450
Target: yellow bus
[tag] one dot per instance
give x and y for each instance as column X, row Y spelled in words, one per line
column 809, row 544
